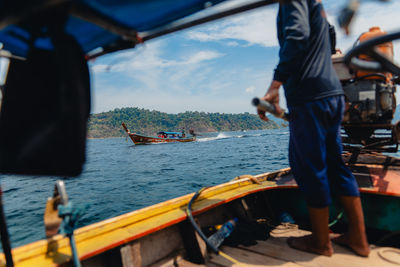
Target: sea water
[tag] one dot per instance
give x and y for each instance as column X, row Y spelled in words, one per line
column 120, row 177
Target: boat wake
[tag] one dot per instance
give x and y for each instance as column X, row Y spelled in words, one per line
column 248, row 135
column 219, row 136
column 226, row 136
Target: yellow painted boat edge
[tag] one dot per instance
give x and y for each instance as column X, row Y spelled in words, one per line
column 36, row 253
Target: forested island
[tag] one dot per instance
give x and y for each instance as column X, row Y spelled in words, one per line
column 143, row 121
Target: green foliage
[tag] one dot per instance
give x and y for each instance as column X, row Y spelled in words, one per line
column 143, row 121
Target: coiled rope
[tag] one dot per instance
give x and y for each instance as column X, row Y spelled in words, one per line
column 384, row 251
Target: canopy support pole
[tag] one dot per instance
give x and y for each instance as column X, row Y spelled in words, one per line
column 5, row 239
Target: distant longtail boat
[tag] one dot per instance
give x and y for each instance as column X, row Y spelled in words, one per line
column 162, row 137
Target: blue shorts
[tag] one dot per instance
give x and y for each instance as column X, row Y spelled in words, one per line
column 315, row 151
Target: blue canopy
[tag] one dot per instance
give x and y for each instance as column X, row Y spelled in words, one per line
column 169, row 133
column 94, row 23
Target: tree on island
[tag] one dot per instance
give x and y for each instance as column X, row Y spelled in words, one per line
column 143, row 121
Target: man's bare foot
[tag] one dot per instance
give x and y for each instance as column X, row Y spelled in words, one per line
column 308, row 244
column 356, row 246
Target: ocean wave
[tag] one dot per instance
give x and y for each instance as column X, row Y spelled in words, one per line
column 248, row 135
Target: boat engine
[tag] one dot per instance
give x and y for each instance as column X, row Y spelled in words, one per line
column 370, row 101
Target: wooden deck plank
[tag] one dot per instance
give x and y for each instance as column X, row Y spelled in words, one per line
column 184, row 263
column 176, row 261
column 277, row 248
column 248, row 258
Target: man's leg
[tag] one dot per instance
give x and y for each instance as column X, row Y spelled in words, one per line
column 307, row 158
column 318, row 242
column 355, row 238
column 345, row 184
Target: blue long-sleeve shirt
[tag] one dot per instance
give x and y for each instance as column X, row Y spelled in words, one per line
column 305, row 65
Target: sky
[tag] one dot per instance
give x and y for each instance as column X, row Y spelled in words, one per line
column 216, row 67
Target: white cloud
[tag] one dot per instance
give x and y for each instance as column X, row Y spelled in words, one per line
column 165, row 77
column 231, row 4
column 201, row 56
column 250, row 89
column 100, row 68
column 200, row 36
column 253, row 27
column 233, row 44
column 181, row 88
column 152, row 56
column 258, row 27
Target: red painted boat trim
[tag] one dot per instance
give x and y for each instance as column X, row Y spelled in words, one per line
column 142, row 140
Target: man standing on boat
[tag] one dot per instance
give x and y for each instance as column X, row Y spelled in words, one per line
column 315, row 101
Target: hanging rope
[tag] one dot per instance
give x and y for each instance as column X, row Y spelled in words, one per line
column 202, row 235
column 340, row 215
column 71, row 214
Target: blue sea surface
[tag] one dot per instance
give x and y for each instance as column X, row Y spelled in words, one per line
column 120, row 177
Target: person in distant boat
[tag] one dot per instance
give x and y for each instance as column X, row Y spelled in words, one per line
column 315, row 100
column 183, row 133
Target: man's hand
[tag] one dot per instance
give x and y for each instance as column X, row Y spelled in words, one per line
column 271, row 96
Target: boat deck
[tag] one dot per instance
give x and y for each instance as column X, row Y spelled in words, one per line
column 275, row 252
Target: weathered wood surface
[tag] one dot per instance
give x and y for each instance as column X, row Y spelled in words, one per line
column 152, row 248
column 275, row 252
column 176, row 262
column 249, row 258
